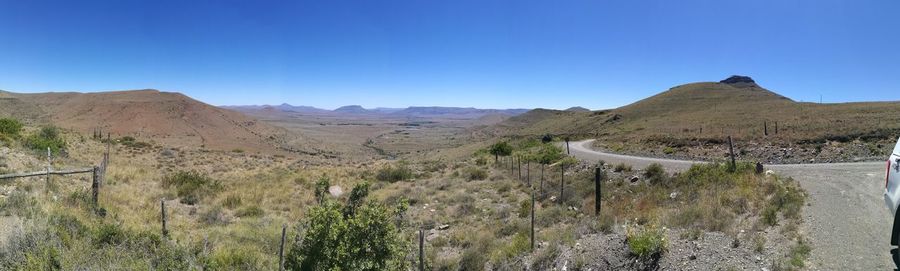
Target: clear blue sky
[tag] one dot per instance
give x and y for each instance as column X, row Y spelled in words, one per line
column 489, row 54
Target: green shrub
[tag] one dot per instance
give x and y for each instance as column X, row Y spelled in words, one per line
column 214, row 216
column 519, row 244
column 655, row 173
column 647, row 242
column 770, row 215
column 668, row 150
column 109, row 234
column 622, row 167
column 332, row 239
column 191, row 186
column 235, row 258
column 131, row 142
column 250, row 211
column 525, row 208
column 47, row 137
column 19, row 203
column 475, row 256
column 389, row 173
column 232, row 201
column 759, row 242
column 10, row 127
column 545, row 257
column 789, row 199
column 475, row 173
column 549, row 154
column 799, row 253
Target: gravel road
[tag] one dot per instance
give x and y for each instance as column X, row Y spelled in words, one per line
column 846, row 220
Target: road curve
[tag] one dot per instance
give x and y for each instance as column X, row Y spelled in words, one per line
column 846, row 220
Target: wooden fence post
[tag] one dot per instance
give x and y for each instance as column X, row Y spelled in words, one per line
column 108, row 143
column 567, row 146
column 542, row 179
column 528, row 172
column 519, row 164
column 731, row 151
column 532, row 220
column 598, row 173
column 281, row 248
column 562, row 181
column 162, row 208
column 95, row 186
column 421, row 250
column 776, row 127
column 49, row 168
column 765, row 128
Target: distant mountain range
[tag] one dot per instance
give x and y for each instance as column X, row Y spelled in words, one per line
column 356, row 110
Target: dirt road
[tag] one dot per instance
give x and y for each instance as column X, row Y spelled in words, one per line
column 846, row 220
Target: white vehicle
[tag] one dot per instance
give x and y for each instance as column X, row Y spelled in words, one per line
column 892, row 197
column 892, row 180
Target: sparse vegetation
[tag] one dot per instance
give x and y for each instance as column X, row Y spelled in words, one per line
column 230, row 209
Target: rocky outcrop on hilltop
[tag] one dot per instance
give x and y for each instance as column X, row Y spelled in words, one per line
column 739, row 81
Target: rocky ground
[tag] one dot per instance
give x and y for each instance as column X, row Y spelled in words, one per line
column 765, row 152
column 709, row 251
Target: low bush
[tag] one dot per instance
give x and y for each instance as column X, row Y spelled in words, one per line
column 621, row 167
column 655, row 173
column 47, row 137
column 131, row 142
column 19, row 203
column 475, row 173
column 799, row 253
column 519, row 243
column 347, row 237
column 10, row 127
column 250, row 211
column 191, row 186
column 390, row 173
column 232, row 201
column 214, row 216
column 770, row 215
column 525, row 208
column 647, row 242
column 475, row 255
column 544, row 258
column 109, row 234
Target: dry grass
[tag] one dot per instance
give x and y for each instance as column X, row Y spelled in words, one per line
column 238, row 226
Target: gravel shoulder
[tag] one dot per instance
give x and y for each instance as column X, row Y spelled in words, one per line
column 845, row 220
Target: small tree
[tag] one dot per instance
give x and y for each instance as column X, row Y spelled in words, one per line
column 356, row 236
column 500, row 149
